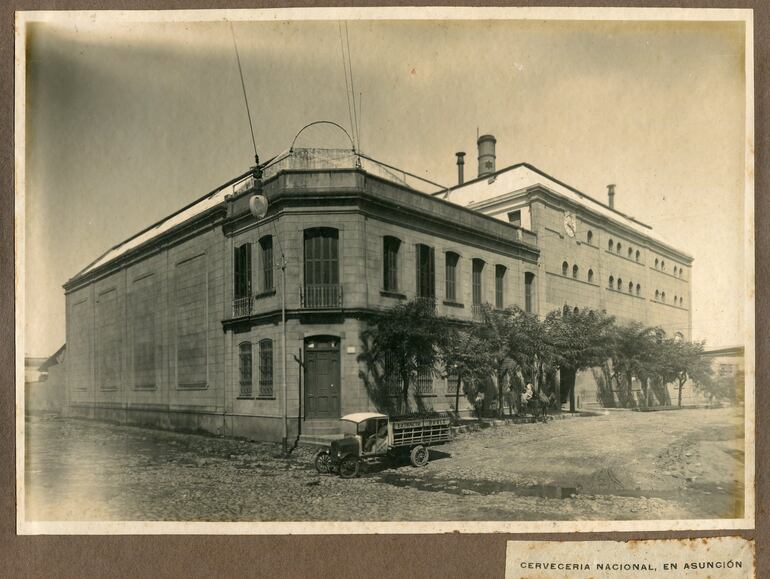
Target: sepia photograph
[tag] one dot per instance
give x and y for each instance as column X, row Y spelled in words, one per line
column 384, row 270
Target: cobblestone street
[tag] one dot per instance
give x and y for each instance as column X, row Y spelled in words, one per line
column 621, row 465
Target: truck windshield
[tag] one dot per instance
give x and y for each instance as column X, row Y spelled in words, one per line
column 348, row 428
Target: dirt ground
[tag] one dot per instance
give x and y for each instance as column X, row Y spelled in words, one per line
column 620, row 465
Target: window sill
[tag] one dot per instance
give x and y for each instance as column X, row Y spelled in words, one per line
column 265, row 294
column 392, row 294
column 245, row 398
column 265, row 398
column 426, row 395
column 453, row 304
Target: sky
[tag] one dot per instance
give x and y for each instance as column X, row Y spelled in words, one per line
column 128, row 122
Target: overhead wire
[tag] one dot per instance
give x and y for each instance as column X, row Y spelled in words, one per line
column 245, row 97
column 347, row 86
column 352, row 86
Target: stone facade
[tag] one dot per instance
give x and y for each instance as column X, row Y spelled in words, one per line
column 164, row 334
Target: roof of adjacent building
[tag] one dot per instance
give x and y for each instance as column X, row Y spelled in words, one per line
column 516, row 179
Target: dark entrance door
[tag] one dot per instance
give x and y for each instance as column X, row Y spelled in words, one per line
column 322, row 377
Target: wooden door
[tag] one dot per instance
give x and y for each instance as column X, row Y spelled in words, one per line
column 322, row 378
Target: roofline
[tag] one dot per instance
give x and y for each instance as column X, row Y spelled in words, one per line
column 159, row 222
column 547, row 176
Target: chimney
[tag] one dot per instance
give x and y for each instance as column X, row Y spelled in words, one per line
column 486, row 145
column 460, row 167
column 611, row 196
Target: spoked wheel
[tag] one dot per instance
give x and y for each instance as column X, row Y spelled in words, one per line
column 349, row 467
column 323, row 462
column 419, row 456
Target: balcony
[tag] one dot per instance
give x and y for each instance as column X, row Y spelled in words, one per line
column 321, row 296
column 242, row 307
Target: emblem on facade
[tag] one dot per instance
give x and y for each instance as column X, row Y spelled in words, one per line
column 570, row 224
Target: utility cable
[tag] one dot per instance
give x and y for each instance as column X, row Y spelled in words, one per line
column 347, row 86
column 245, row 98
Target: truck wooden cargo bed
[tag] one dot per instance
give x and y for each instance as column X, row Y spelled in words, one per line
column 413, row 431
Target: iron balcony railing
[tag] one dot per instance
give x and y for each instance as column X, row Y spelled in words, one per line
column 477, row 312
column 242, row 307
column 321, row 296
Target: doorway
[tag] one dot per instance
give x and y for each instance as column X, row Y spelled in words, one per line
column 322, row 377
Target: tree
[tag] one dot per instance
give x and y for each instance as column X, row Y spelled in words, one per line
column 466, row 358
column 402, row 341
column 579, row 339
column 689, row 362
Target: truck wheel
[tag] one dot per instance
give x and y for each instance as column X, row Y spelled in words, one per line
column 419, row 456
column 323, row 462
column 349, row 467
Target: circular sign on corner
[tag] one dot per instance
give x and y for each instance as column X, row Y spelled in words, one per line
column 258, row 206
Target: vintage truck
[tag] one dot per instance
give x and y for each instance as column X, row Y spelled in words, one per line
column 368, row 437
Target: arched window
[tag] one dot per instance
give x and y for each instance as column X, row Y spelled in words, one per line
column 610, row 244
column 676, row 300
column 565, row 310
column 662, row 265
column 630, row 253
column 499, row 286
column 244, row 369
column 638, row 289
column 390, row 247
column 564, row 268
column 322, row 268
column 590, row 237
column 266, row 255
column 617, row 247
column 575, row 270
column 657, row 295
column 476, row 275
column 612, row 282
column 656, row 263
column 663, row 296
column 630, row 287
column 681, row 302
column 576, row 311
column 450, row 269
column 620, row 284
column 638, row 255
column 266, row 368
column 590, row 276
column 529, row 292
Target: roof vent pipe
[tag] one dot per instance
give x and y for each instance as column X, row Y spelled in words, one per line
column 486, row 145
column 460, row 167
column 611, row 196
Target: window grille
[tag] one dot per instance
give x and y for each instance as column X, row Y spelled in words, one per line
column 266, row 368
column 244, row 367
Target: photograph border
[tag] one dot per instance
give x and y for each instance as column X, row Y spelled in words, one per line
column 427, row 13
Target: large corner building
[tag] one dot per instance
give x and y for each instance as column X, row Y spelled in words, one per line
column 182, row 325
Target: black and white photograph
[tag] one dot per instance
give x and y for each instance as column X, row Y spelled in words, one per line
column 384, row 270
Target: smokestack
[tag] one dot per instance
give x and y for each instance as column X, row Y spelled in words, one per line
column 460, row 167
column 486, row 145
column 611, row 196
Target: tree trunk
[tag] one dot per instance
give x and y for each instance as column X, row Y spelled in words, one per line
column 457, row 396
column 679, row 396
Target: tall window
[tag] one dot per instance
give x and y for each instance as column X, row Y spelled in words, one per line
column 564, row 268
column 390, row 247
column 620, row 284
column 529, row 290
column 611, row 282
column 478, row 269
column 637, row 255
column 244, row 368
column 618, row 247
column 426, row 272
column 575, row 271
column 638, row 289
column 266, row 247
column 590, row 276
column 266, row 368
column 322, row 276
column 630, row 287
column 630, row 253
column 451, row 276
column 590, row 237
column 242, row 272
column 499, row 286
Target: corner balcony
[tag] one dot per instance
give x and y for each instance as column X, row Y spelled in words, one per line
column 321, row 296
